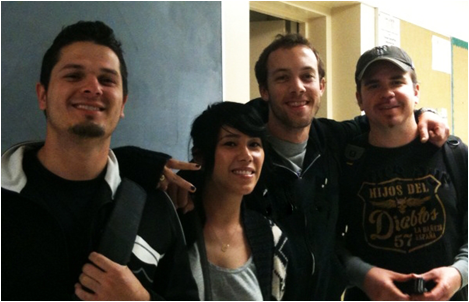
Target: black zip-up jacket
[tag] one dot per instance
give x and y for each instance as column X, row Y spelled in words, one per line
column 305, row 206
column 35, row 255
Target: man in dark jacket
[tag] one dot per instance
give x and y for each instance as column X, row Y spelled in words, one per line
column 299, row 191
column 58, row 196
column 302, row 186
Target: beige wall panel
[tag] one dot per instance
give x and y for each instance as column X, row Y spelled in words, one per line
column 317, row 35
column 345, row 53
column 262, row 33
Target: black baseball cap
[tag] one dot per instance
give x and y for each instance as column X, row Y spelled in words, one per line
column 389, row 53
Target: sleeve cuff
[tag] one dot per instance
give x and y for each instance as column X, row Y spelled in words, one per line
column 461, row 266
column 356, row 270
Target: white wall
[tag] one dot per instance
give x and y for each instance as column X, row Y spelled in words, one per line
column 235, row 50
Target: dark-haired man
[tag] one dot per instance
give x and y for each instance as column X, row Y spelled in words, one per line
column 302, row 187
column 58, row 195
column 403, row 202
column 300, row 190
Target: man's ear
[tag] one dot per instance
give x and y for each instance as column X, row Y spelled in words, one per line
column 358, row 96
column 417, row 93
column 264, row 92
column 322, row 85
column 123, row 105
column 41, row 96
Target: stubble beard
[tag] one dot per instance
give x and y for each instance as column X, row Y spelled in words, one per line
column 289, row 122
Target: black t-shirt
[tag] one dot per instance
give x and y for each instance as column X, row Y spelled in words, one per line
column 70, row 202
column 402, row 209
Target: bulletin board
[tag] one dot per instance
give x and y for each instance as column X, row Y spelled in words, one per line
column 460, row 96
column 435, row 86
column 439, row 90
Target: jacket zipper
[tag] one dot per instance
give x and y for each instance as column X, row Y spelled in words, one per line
column 300, row 176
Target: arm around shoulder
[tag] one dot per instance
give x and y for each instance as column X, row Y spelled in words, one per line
column 141, row 165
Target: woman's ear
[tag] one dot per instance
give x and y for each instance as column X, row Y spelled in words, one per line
column 197, row 156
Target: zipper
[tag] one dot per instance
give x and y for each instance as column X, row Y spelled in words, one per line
column 300, row 176
column 286, row 168
column 312, row 163
column 313, row 259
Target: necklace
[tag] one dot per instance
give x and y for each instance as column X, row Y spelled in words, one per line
column 224, row 246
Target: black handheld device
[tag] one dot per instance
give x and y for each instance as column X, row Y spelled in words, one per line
column 416, row 286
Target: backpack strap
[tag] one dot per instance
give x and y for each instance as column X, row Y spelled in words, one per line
column 121, row 229
column 118, row 238
column 354, row 150
column 455, row 156
column 351, row 162
column 456, row 161
column 200, row 241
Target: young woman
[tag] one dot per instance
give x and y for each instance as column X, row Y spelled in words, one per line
column 235, row 253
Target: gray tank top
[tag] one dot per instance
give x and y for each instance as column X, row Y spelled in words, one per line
column 238, row 284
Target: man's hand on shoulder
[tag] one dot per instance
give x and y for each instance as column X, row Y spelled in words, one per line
column 432, row 128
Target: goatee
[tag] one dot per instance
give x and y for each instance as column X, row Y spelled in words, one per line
column 87, row 130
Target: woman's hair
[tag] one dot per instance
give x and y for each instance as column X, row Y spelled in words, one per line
column 206, row 128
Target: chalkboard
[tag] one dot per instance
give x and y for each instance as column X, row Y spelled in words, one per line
column 173, row 54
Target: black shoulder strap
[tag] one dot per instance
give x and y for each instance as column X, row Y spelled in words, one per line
column 121, row 229
column 352, row 157
column 352, row 160
column 456, row 160
column 120, row 232
column 455, row 155
column 200, row 241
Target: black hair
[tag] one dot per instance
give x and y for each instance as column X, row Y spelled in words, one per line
column 82, row 31
column 284, row 41
column 206, row 128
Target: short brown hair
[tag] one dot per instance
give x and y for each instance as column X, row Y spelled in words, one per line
column 284, row 41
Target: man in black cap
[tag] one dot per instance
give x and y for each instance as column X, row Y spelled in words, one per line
column 300, row 189
column 404, row 203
